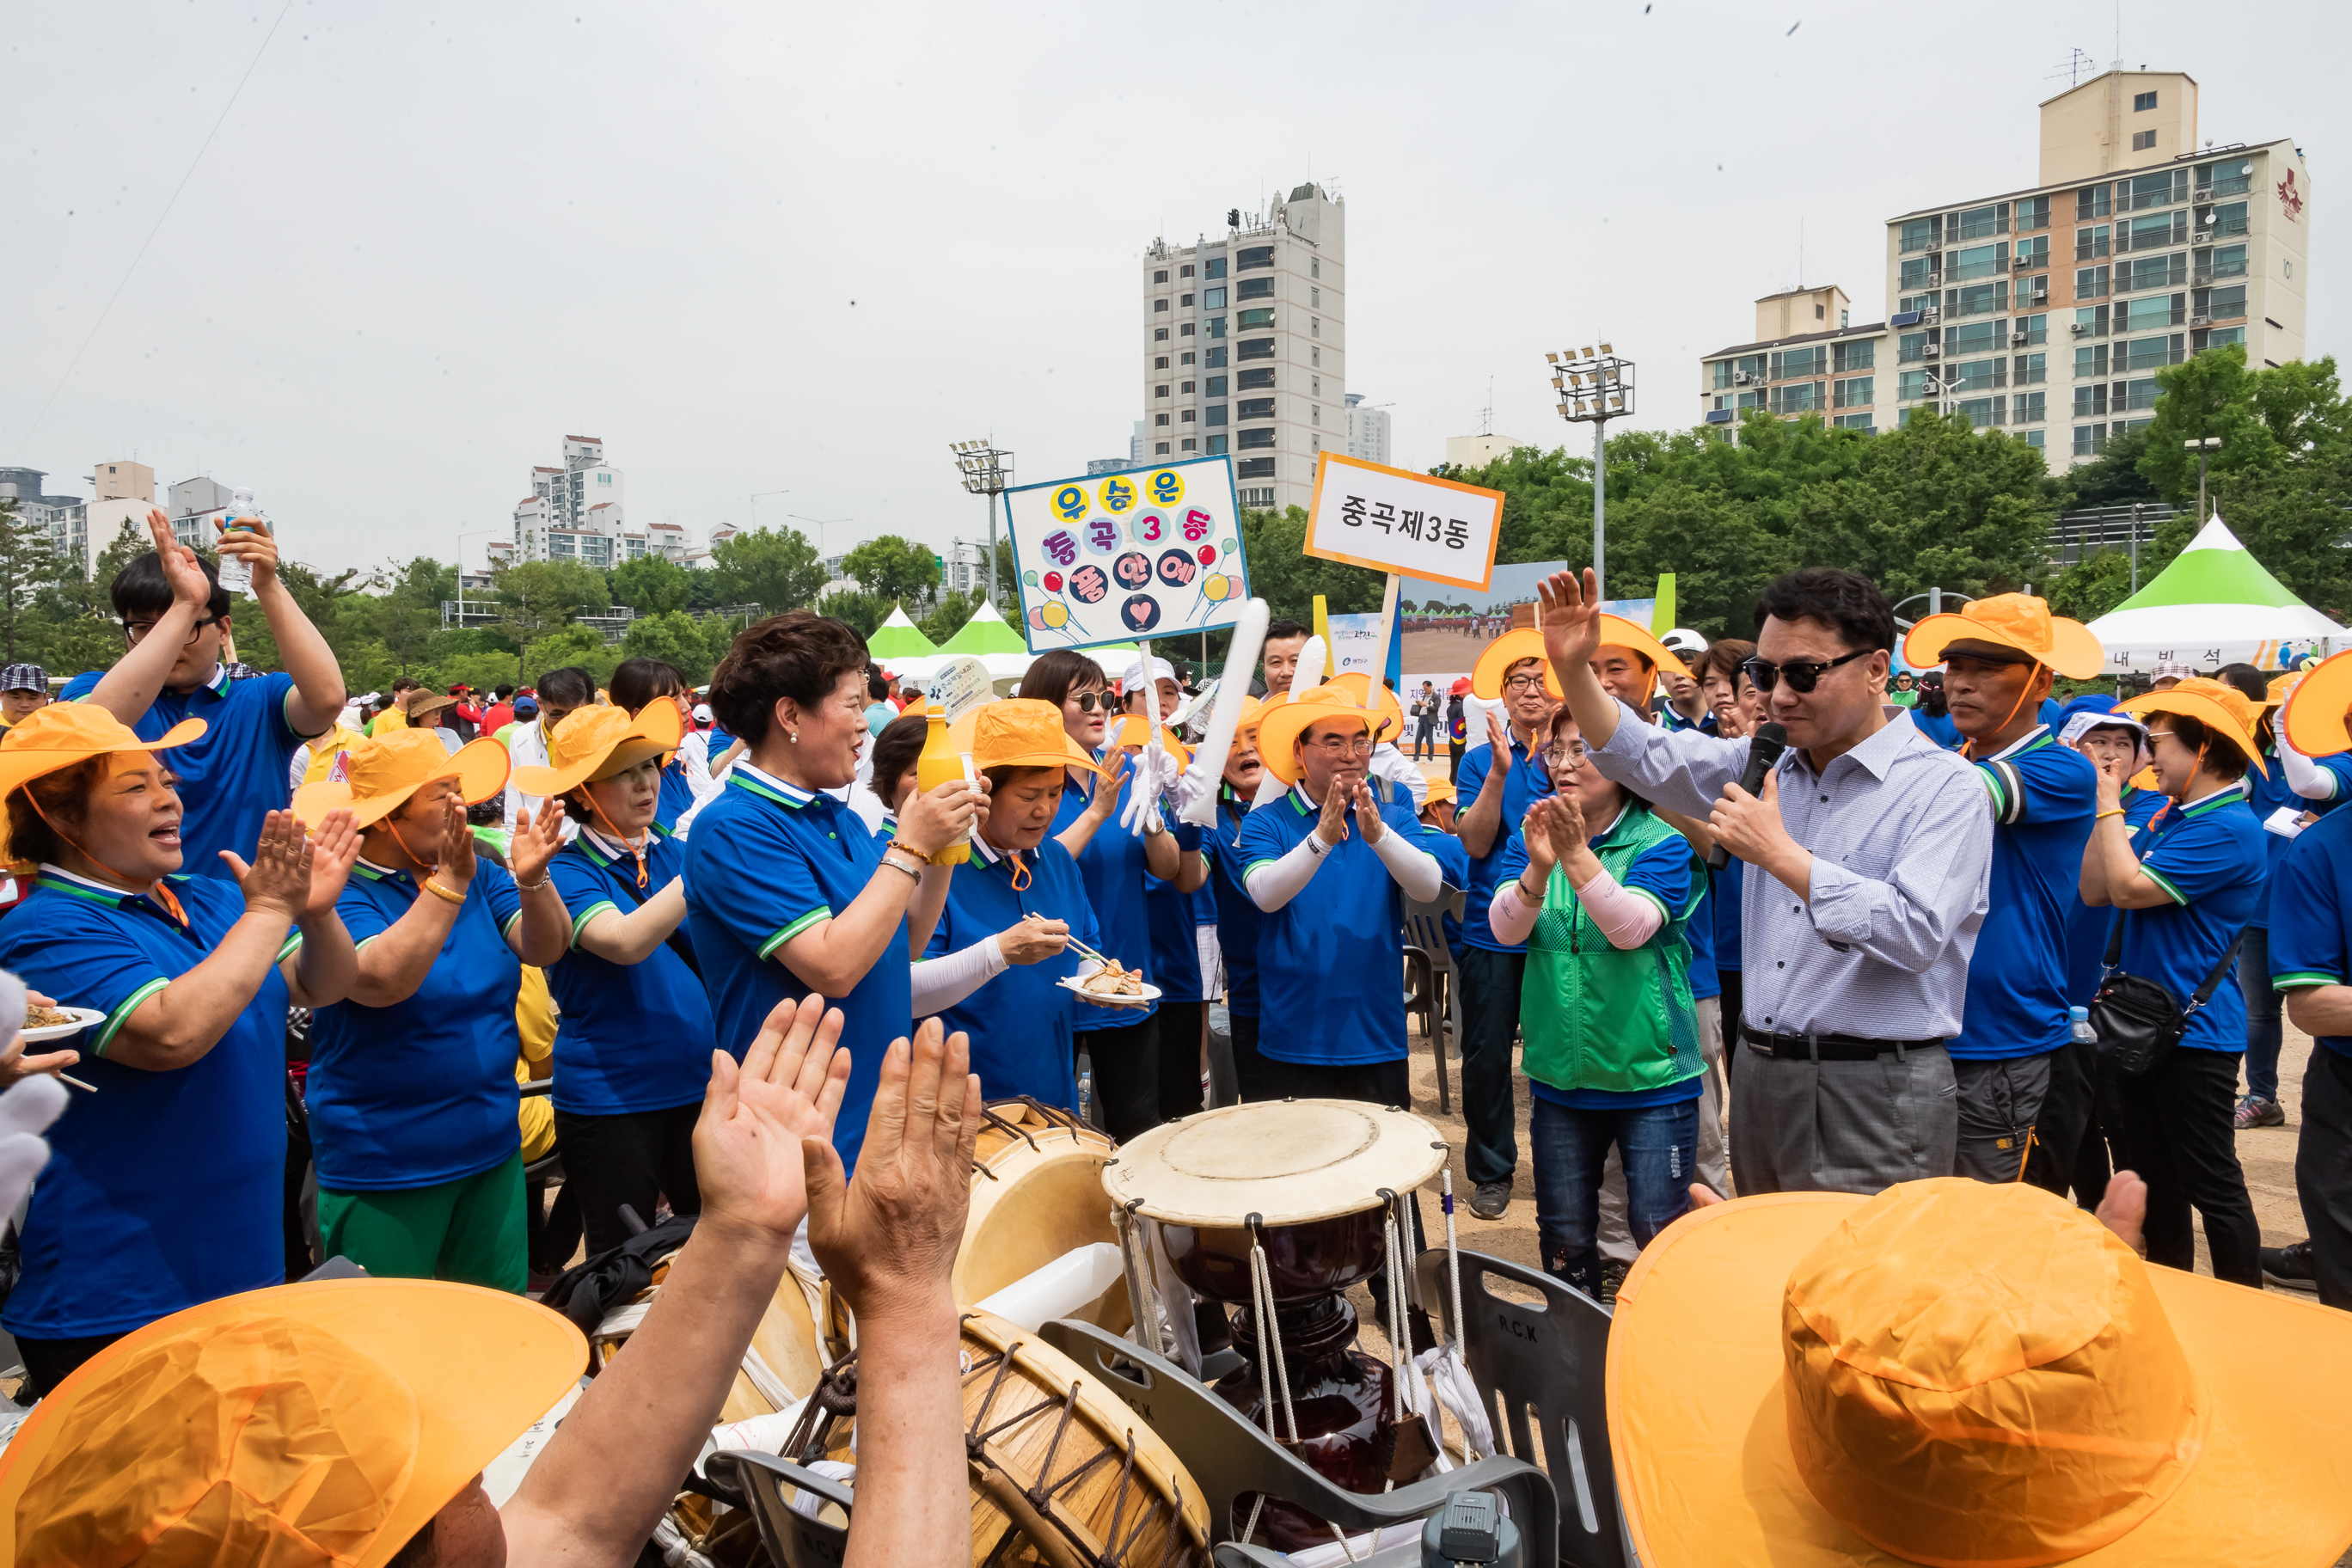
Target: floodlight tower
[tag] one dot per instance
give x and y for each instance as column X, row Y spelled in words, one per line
column 987, row 470
column 1594, row 388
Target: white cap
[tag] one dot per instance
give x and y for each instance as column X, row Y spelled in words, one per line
column 2172, row 672
column 702, row 713
column 1135, row 677
column 1682, row 640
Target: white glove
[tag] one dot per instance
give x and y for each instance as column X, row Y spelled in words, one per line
column 25, row 1112
column 1192, row 786
column 1154, row 772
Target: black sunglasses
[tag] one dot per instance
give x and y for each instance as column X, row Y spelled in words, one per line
column 1803, row 675
column 1087, row 702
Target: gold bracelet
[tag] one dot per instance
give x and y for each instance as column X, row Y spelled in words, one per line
column 438, row 891
column 2111, row 811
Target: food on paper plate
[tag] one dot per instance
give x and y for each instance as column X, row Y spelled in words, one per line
column 1114, row 980
column 37, row 1017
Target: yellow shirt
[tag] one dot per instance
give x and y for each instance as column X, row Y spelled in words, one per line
column 324, row 749
column 535, row 1018
column 386, row 722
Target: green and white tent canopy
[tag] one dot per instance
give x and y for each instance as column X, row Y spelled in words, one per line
column 2215, row 604
column 898, row 639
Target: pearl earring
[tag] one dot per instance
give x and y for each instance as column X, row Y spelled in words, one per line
column 794, row 736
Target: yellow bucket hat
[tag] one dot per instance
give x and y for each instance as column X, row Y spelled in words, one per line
column 305, row 1424
column 594, row 743
column 1966, row 1375
column 380, row 773
column 2017, row 621
column 1279, row 725
column 1510, row 648
column 2219, row 706
column 1018, row 733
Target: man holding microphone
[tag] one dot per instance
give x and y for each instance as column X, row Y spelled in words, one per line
column 1877, row 851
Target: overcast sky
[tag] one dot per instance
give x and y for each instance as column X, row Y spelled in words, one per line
column 760, row 248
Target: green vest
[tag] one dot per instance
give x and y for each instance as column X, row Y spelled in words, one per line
column 1596, row 1017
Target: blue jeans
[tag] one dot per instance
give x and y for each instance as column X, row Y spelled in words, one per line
column 2263, row 1031
column 1659, row 1149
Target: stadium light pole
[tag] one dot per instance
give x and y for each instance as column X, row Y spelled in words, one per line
column 1594, row 388
column 987, row 470
column 2202, row 448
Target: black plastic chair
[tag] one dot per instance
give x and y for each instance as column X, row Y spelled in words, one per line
column 1550, row 1362
column 791, row 1539
column 1227, row 1457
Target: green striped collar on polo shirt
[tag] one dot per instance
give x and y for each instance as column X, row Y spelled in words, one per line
column 768, row 787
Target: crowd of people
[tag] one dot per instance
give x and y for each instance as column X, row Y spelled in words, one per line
column 1862, row 960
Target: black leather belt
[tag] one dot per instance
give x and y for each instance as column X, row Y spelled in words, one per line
column 1827, row 1047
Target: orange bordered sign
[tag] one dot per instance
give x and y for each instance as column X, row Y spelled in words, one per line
column 1393, row 520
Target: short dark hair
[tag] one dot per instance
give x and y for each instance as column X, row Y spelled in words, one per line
column 637, row 681
column 895, row 750
column 502, row 691
column 1846, row 600
column 401, row 683
column 2251, row 682
column 141, row 589
column 799, row 654
column 1288, row 629
column 1724, row 656
column 1059, row 672
column 65, row 795
column 876, row 689
column 2224, row 760
column 567, row 686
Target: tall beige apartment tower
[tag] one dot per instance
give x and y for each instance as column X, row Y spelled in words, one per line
column 1244, row 346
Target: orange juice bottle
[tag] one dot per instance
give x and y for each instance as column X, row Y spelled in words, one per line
column 941, row 764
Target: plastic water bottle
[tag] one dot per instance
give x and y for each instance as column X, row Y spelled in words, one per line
column 2084, row 1034
column 1085, row 1089
column 234, row 574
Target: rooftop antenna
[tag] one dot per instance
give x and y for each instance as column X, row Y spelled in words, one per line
column 1801, row 253
column 2077, row 62
column 1486, row 416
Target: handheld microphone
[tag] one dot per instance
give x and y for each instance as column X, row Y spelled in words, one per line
column 1764, row 749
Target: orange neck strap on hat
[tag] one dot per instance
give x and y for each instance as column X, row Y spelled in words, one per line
column 636, row 847
column 1968, row 750
column 163, row 894
column 415, row 859
column 1020, row 873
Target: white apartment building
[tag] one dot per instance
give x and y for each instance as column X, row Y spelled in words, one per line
column 64, row 519
column 1808, row 357
column 2048, row 311
column 1244, row 346
column 578, row 512
column 1368, row 431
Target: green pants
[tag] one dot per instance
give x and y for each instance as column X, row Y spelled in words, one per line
column 469, row 1230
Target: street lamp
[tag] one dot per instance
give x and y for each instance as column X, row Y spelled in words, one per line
column 820, row 522
column 1594, row 389
column 2201, row 446
column 987, row 470
column 753, row 506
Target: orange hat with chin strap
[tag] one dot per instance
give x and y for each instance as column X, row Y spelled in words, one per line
column 2017, row 622
column 380, row 773
column 2215, row 704
column 594, row 743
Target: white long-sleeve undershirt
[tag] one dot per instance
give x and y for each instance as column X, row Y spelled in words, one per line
column 938, row 983
column 2305, row 776
column 1413, row 869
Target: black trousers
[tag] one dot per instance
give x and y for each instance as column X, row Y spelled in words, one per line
column 2173, row 1126
column 1182, row 1028
column 635, row 1158
column 1453, row 760
column 1250, row 1078
column 2065, row 1122
column 1126, row 1077
column 49, row 1363
column 2322, row 1172
column 1491, row 984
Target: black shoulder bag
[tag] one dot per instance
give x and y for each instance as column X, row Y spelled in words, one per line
column 2138, row 1021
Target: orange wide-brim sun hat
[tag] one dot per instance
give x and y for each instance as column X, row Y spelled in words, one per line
column 1526, row 642
column 380, row 773
column 2219, row 706
column 1279, row 724
column 2015, row 620
column 594, row 743
column 1388, row 713
column 64, row 733
column 311, row 1423
column 1018, row 733
column 2313, row 721
column 1967, row 1375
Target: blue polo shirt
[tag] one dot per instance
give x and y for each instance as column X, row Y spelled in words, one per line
column 1238, row 919
column 1940, row 728
column 1670, row 717
column 423, row 1091
column 1113, row 872
column 1700, row 931
column 1724, row 895
column 1020, row 1023
column 2267, row 793
column 163, row 1189
column 2088, row 930
column 766, row 862
column 2310, row 944
column 1175, row 938
column 635, row 1037
column 2044, row 796
column 1328, row 961
column 1522, row 787
column 677, row 795
column 1665, row 872
column 232, row 775
column 2209, row 857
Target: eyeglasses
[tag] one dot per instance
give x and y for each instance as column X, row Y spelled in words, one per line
column 1572, row 752
column 1518, row 683
column 1345, row 745
column 135, row 632
column 1803, row 675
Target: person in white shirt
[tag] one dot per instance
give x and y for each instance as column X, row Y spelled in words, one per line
column 561, row 692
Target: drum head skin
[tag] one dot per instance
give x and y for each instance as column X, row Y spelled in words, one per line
column 1285, row 1160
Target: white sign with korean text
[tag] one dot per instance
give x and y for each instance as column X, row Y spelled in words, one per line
column 1111, row 558
column 1392, row 519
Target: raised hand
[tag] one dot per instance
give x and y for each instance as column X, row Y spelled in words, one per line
column 1571, row 618
column 181, row 569
column 746, row 1142
column 534, row 843
column 1368, row 813
column 278, row 881
column 252, row 543
column 1117, row 766
column 1332, row 827
column 1534, row 832
column 889, row 1239
column 334, row 845
column 456, row 862
column 932, row 819
column 1499, row 744
column 1564, row 826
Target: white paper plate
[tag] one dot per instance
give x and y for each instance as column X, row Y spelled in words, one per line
column 1150, row 994
column 83, row 1018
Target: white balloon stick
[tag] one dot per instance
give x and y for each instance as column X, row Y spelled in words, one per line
column 1312, row 660
column 1233, row 690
